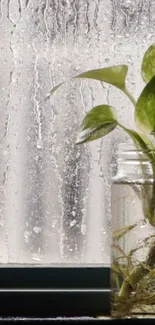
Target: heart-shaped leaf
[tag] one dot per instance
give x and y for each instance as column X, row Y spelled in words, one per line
column 145, row 108
column 114, row 75
column 148, row 64
column 99, row 121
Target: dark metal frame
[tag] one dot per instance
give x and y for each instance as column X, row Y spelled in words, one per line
column 54, row 291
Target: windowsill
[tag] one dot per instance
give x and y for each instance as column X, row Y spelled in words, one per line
column 36, row 295
column 83, row 320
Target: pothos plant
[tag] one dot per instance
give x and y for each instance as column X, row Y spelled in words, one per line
column 100, row 121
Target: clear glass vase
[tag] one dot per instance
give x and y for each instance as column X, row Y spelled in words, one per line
column 133, row 234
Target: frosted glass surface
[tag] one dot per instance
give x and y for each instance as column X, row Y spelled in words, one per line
column 55, row 196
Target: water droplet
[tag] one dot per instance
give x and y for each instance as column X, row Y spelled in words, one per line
column 37, row 258
column 73, row 223
column 39, row 143
column 83, row 229
column 66, row 158
column 58, row 149
column 36, row 158
column 77, row 68
column 54, row 222
column 26, row 236
column 37, row 230
column 78, row 155
column 127, row 35
column 149, row 36
column 73, row 213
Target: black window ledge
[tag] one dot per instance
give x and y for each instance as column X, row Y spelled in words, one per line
column 54, row 291
column 76, row 320
column 57, row 295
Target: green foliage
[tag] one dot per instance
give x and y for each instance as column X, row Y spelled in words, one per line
column 98, row 122
column 101, row 120
column 148, row 64
column 145, row 108
column 115, row 76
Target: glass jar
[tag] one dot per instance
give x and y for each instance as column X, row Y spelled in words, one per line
column 133, row 234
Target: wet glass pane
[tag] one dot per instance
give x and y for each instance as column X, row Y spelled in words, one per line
column 54, row 195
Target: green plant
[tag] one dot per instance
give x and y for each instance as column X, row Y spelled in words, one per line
column 100, row 121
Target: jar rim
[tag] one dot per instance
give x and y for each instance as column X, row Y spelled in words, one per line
column 128, row 146
column 129, row 151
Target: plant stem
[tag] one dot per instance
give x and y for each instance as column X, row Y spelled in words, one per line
column 152, row 206
column 137, row 274
column 130, row 96
column 129, row 284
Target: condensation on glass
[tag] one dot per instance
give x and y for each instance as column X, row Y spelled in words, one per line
column 55, row 196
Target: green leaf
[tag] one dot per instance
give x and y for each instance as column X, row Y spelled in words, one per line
column 99, row 121
column 145, row 109
column 148, row 64
column 114, row 75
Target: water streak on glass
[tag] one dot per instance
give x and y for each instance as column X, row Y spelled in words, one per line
column 54, row 195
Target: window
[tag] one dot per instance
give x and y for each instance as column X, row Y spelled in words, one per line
column 55, row 196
